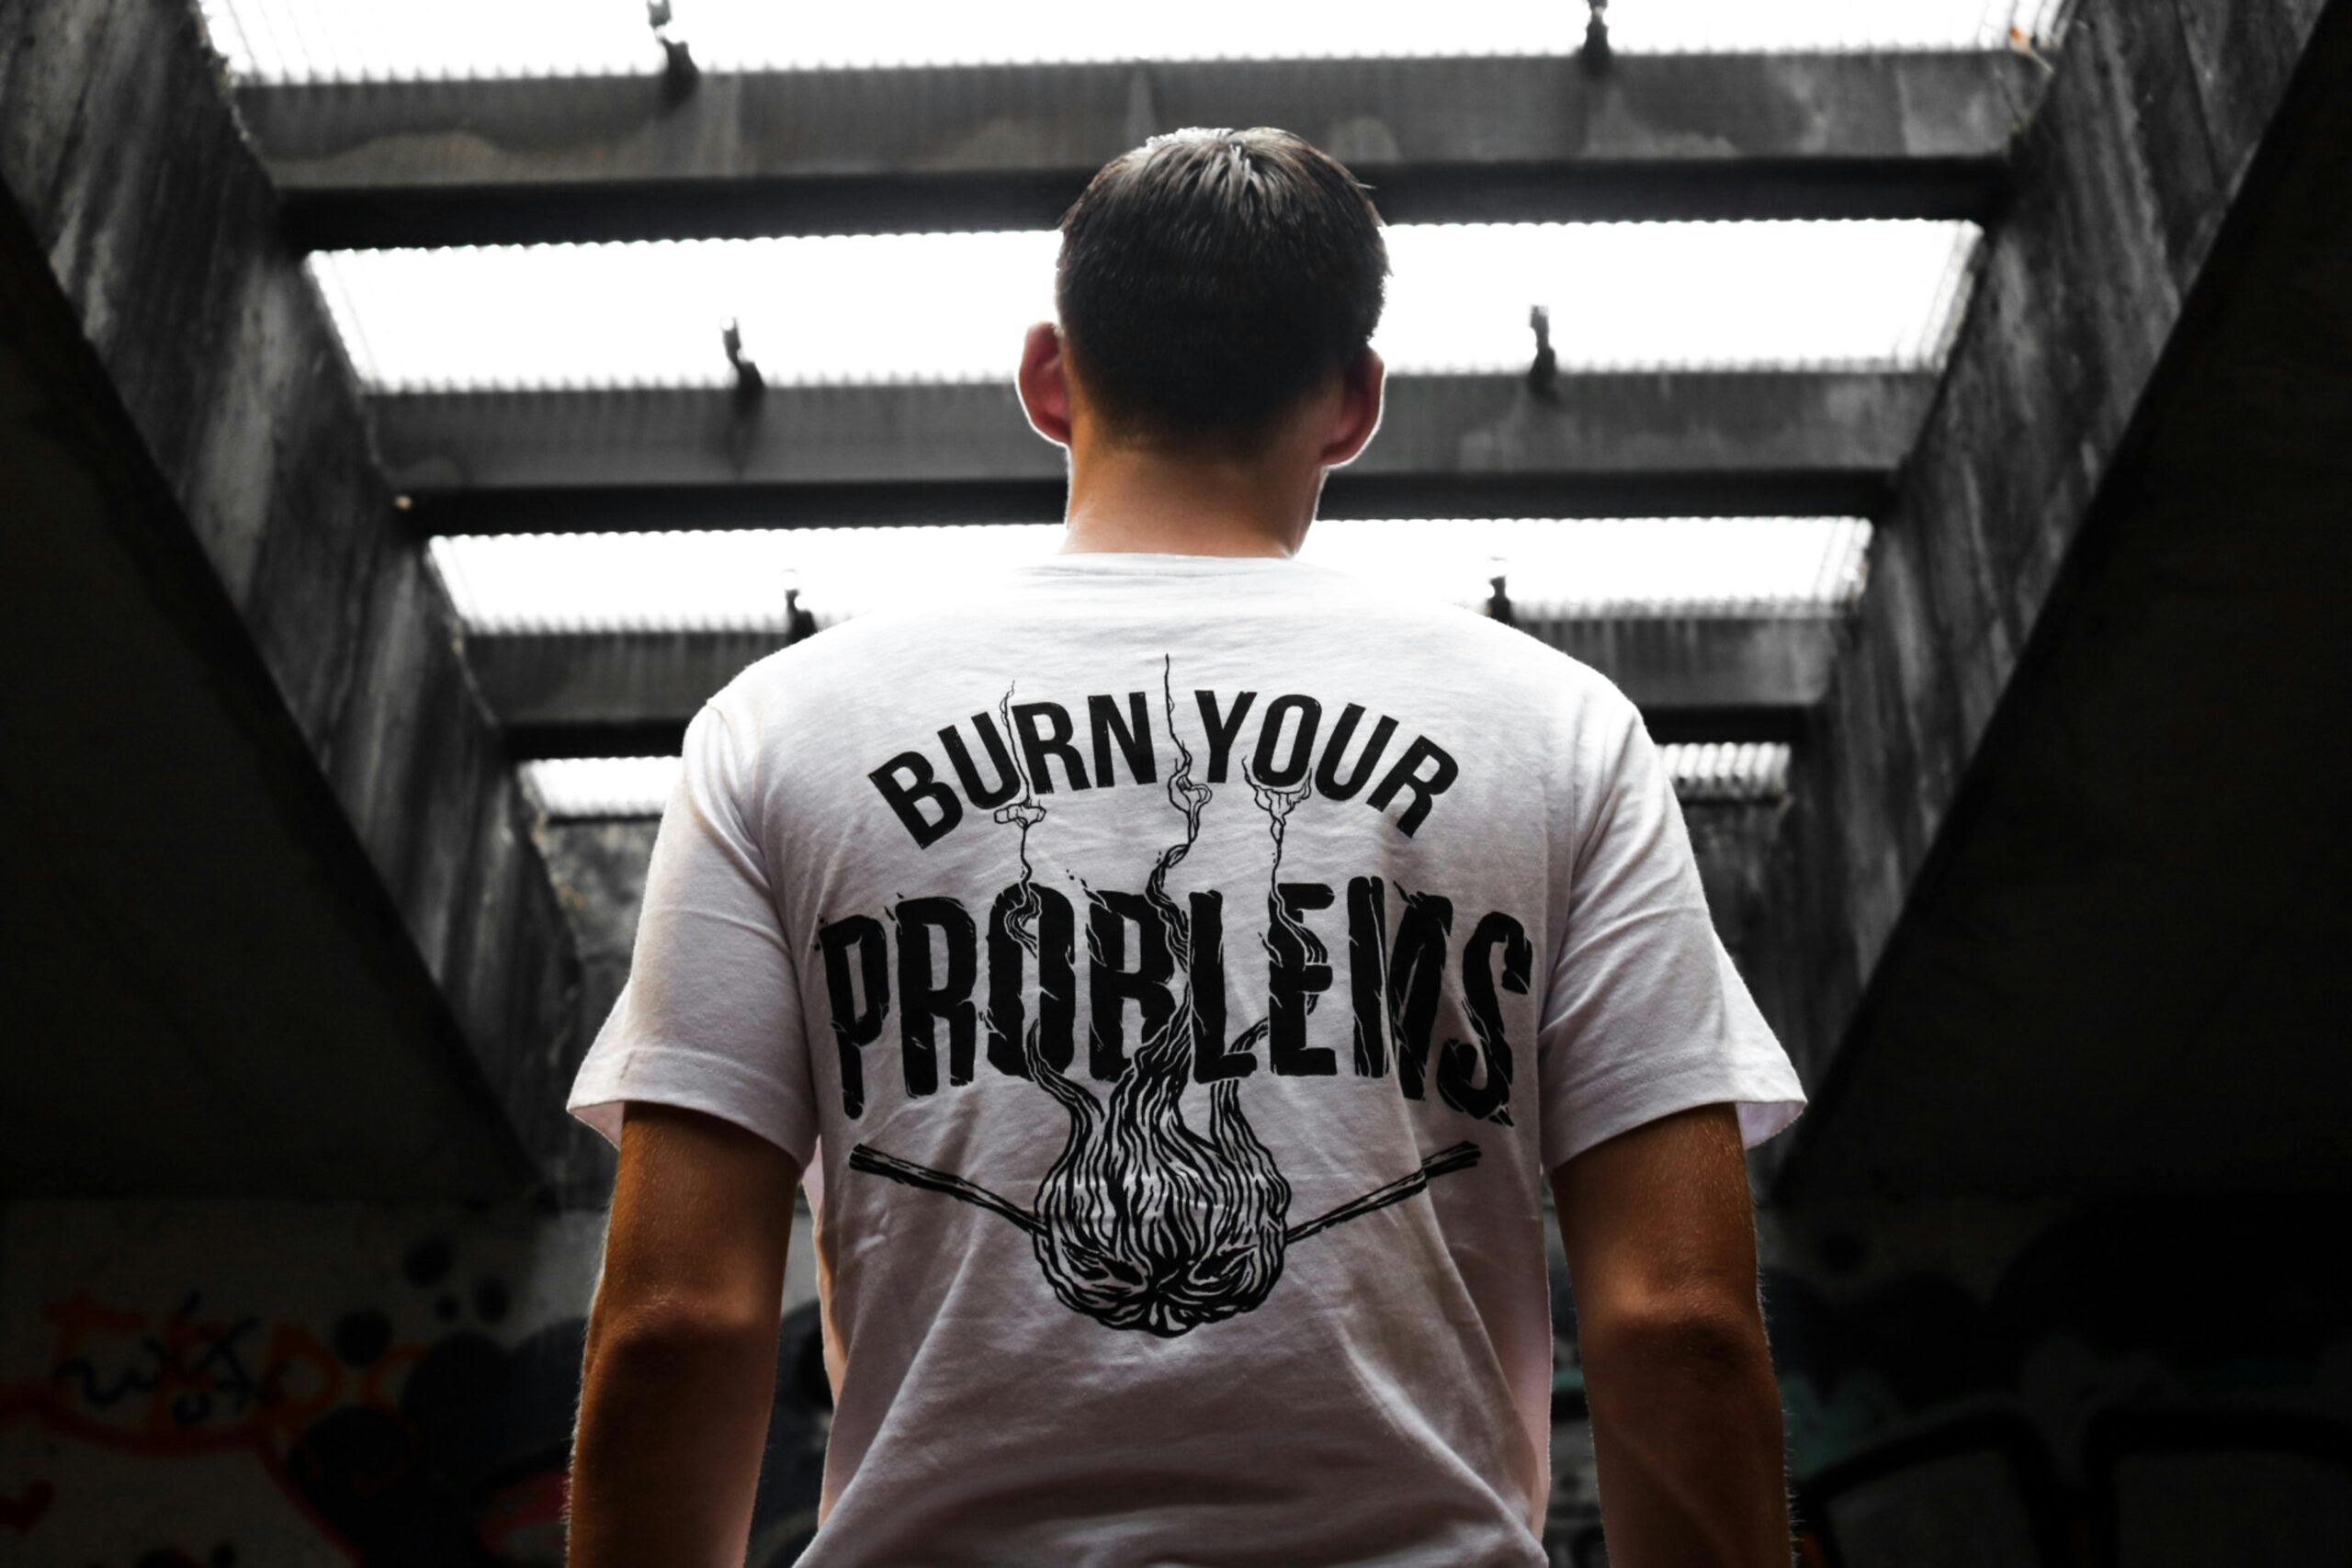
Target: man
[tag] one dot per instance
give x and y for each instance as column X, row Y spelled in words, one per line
column 1176, row 969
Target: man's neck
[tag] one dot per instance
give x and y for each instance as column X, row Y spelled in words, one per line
column 1130, row 499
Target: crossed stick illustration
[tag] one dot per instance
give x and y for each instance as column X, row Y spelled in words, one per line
column 867, row 1157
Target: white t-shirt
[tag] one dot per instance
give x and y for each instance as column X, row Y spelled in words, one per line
column 1178, row 975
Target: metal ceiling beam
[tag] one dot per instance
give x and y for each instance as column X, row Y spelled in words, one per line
column 1698, row 677
column 1495, row 139
column 1603, row 443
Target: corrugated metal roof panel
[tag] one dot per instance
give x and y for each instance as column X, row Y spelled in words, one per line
column 864, row 307
column 355, row 39
column 738, row 580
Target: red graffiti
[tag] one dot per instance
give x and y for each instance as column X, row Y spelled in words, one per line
column 182, row 1382
column 193, row 1381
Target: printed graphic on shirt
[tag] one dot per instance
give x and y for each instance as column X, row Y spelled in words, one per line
column 1142, row 1221
column 1044, row 733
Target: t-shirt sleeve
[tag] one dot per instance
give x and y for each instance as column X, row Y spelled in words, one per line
column 1644, row 1015
column 710, row 1017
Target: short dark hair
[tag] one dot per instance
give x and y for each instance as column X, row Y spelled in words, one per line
column 1209, row 280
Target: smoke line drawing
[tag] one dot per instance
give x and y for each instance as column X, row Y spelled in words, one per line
column 1141, row 1221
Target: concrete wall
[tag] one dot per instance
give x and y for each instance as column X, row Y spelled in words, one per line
column 129, row 175
column 2139, row 165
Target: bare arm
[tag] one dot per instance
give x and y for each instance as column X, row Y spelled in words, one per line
column 681, row 1365
column 1686, row 1417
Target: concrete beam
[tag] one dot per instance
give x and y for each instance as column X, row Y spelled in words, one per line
column 2061, row 880
column 631, row 693
column 1010, row 146
column 1657, row 443
column 277, row 921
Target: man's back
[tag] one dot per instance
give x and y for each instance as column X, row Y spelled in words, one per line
column 1180, row 975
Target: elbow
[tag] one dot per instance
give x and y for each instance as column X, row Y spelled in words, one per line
column 1705, row 1337
column 661, row 1341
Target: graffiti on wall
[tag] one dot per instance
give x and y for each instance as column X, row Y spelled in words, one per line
column 257, row 1415
column 2141, row 1385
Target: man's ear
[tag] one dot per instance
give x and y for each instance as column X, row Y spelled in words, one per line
column 1363, row 390
column 1044, row 384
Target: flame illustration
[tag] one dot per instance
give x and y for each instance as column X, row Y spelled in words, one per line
column 1141, row 1221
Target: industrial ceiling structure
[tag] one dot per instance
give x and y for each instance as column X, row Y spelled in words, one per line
column 801, row 289
column 470, row 404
